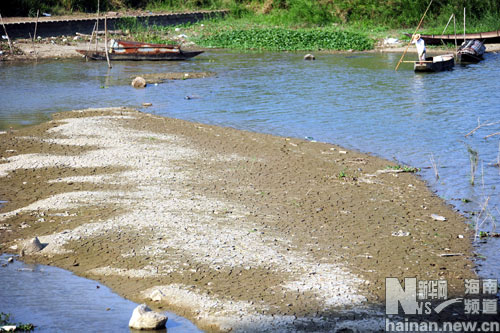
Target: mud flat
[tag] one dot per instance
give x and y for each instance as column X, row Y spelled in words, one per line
column 231, row 229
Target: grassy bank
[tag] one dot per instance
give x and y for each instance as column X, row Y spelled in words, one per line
column 287, row 24
column 391, row 14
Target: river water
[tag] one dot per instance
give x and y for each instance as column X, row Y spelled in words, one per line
column 55, row 300
column 354, row 100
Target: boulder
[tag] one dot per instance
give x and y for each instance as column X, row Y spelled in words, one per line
column 139, row 82
column 32, row 246
column 309, row 57
column 143, row 318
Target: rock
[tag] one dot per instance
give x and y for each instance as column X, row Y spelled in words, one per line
column 147, row 104
column 401, row 233
column 32, row 246
column 309, row 57
column 145, row 319
column 438, row 217
column 139, row 82
column 10, row 259
column 157, row 295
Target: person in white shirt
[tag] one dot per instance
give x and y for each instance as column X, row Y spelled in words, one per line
column 420, row 44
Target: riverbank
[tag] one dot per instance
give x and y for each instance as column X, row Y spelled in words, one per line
column 65, row 48
column 232, row 229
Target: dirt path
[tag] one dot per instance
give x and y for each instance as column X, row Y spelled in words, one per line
column 235, row 230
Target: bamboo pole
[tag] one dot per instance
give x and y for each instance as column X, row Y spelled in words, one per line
column 8, row 38
column 90, row 42
column 418, row 27
column 106, row 40
column 464, row 24
column 447, row 24
column 97, row 26
column 455, row 33
column 34, row 35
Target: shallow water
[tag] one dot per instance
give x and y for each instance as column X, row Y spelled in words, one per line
column 355, row 100
column 55, row 300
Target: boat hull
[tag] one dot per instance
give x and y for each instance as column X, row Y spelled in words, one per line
column 436, row 64
column 101, row 55
column 470, row 52
column 489, row 37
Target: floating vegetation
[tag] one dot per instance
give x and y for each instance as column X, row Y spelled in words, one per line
column 281, row 39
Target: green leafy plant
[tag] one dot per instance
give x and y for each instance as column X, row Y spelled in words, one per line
column 20, row 327
column 403, row 168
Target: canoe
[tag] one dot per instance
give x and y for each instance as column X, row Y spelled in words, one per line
column 124, row 50
column 470, row 52
column 489, row 37
column 435, row 64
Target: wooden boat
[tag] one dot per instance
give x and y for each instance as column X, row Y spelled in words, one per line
column 435, row 64
column 123, row 50
column 487, row 37
column 470, row 52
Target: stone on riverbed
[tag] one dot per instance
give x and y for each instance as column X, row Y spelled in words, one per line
column 31, row 246
column 309, row 57
column 145, row 319
column 139, row 82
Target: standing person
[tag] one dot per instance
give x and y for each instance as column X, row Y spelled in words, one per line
column 420, row 44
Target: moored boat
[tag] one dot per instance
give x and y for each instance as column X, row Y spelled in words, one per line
column 471, row 51
column 125, row 50
column 489, row 37
column 435, row 64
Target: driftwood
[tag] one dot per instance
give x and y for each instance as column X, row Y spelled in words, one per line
column 479, row 125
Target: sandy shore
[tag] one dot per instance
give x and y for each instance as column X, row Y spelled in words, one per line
column 235, row 230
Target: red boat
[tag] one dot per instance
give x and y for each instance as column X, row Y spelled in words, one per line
column 123, row 50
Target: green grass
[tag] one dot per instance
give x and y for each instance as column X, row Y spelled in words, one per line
column 301, row 25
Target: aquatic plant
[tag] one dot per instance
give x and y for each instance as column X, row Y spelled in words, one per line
column 20, row 327
column 281, row 39
column 403, row 168
column 474, row 159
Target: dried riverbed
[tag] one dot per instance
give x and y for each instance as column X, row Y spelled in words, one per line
column 232, row 229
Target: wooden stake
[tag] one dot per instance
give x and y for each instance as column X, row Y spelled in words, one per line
column 8, row 39
column 97, row 26
column 106, row 40
column 34, row 36
column 455, row 33
column 90, row 42
column 452, row 15
column 418, row 27
column 464, row 24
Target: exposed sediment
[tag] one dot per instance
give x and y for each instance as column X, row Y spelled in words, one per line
column 233, row 229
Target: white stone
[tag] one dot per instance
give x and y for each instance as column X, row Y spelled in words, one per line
column 309, row 57
column 145, row 319
column 438, row 217
column 32, row 246
column 139, row 82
